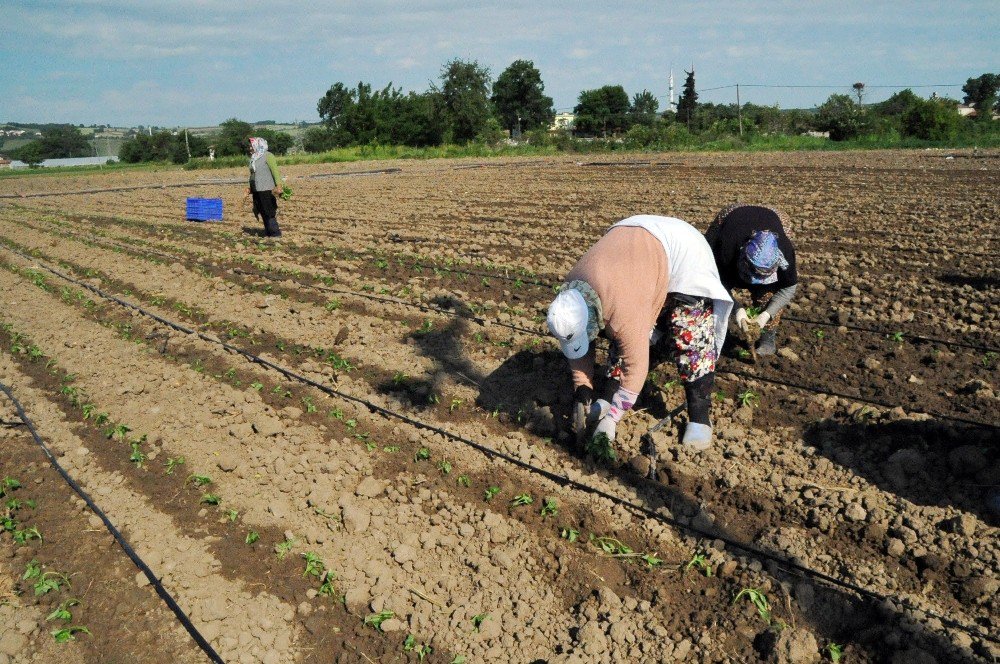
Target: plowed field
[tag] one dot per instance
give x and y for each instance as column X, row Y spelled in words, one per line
column 349, row 444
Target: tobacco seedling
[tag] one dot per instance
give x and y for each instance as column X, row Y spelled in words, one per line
column 896, row 337
column 569, row 534
column 400, row 378
column 521, row 499
column 376, row 619
column 310, row 407
column 753, row 312
column 232, row 515
column 834, row 651
column 282, row 548
column 651, row 559
column 444, row 466
column 326, row 584
column 490, row 492
column 549, row 508
column 67, row 634
column 257, row 386
column 138, row 457
column 50, row 581
column 210, row 499
column 459, row 659
column 199, row 480
column 990, row 359
column 700, row 562
column 599, row 447
column 758, row 599
column 9, row 484
column 455, row 403
column 390, row 449
column 478, row 620
column 463, row 480
column 748, row 398
column 252, row 537
column 612, row 546
column 333, row 305
column 423, row 454
column 63, row 613
column 173, row 462
column 743, row 353
column 819, row 334
column 23, row 536
column 118, row 432
column 314, row 565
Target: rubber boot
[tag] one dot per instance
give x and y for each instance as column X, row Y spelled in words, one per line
column 767, row 345
column 698, row 433
column 271, row 228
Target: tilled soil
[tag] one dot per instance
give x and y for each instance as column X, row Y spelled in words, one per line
column 866, row 451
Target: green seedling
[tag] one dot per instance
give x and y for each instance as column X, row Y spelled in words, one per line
column 210, row 499
column 376, row 619
column 308, row 402
column 748, row 398
column 257, row 386
column 63, row 612
column 9, row 485
column 478, row 620
column 351, row 423
column 426, row 327
column 834, row 651
column 49, row 582
column 444, row 466
column 490, row 492
column 463, row 480
column 400, row 378
column 459, row 659
column 521, row 500
column 433, row 398
column 118, row 432
column 138, row 457
column 990, row 359
column 896, row 337
column 423, row 454
column 455, row 403
column 549, row 507
column 391, row 449
column 252, row 537
column 612, row 546
column 88, row 410
column 173, row 462
column 286, row 192
column 819, row 334
column 314, row 565
column 651, row 559
column 26, row 535
column 199, row 480
column 699, row 562
column 720, row 396
column 282, row 548
column 758, row 599
column 326, row 584
column 101, row 419
column 743, row 353
column 570, row 534
column 32, row 570
column 336, row 413
column 600, row 448
column 332, row 305
column 67, row 634
column 671, row 384
column 232, row 515
column 753, row 312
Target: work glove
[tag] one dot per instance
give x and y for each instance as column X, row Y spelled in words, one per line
column 762, row 319
column 607, row 426
column 582, row 398
column 599, row 410
column 742, row 319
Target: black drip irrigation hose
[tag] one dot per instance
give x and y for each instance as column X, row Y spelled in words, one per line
column 907, row 335
column 562, row 480
column 126, row 547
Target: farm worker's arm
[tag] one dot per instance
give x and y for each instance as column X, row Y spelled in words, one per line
column 583, row 370
column 780, row 300
column 272, row 163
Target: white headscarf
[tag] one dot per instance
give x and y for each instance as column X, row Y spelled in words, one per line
column 259, row 146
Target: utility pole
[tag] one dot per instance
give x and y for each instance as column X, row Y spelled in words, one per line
column 186, row 144
column 671, row 106
column 739, row 109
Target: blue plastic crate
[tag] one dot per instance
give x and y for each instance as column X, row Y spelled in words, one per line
column 204, row 209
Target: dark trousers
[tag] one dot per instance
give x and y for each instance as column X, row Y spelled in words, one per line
column 266, row 204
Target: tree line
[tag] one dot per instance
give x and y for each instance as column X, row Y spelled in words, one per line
column 467, row 106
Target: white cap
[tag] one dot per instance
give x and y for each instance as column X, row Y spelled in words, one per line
column 567, row 321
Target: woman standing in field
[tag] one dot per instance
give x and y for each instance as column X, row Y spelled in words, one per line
column 265, row 185
column 753, row 250
column 646, row 268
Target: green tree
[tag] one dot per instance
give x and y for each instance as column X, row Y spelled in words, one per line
column 688, row 101
column 465, row 96
column 602, row 110
column 981, row 92
column 57, row 142
column 931, row 119
column 519, row 97
column 644, row 108
column 840, row 116
column 232, row 139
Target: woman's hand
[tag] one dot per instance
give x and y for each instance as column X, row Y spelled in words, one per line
column 277, row 190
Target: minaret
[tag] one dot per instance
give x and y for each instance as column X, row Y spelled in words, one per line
column 672, row 106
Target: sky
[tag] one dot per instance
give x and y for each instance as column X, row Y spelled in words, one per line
column 175, row 63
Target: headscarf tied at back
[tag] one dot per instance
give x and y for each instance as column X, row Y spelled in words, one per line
column 259, row 147
column 761, row 258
